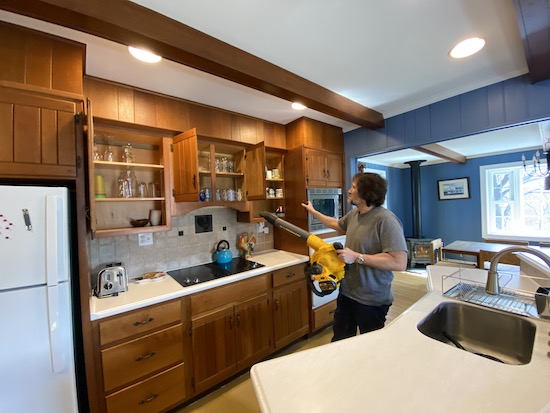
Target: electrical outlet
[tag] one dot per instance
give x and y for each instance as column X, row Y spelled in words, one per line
column 145, row 239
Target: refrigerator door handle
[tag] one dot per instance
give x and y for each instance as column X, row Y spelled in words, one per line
column 57, row 352
column 55, row 239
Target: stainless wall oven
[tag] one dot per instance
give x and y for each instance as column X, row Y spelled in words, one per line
column 327, row 201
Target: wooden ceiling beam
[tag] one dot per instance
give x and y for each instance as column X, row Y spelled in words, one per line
column 130, row 24
column 441, row 152
column 533, row 18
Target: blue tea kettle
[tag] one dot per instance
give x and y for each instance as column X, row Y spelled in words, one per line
column 223, row 253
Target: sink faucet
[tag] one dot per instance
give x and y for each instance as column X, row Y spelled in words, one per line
column 492, row 286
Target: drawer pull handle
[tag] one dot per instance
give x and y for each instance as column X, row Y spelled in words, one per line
column 146, row 356
column 290, row 275
column 149, row 399
column 140, row 323
column 331, row 312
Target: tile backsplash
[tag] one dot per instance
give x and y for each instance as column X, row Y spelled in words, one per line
column 171, row 250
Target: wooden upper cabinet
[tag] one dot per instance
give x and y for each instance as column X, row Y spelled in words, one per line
column 246, row 130
column 38, row 134
column 274, row 136
column 186, row 167
column 314, row 134
column 123, row 103
column 323, row 168
column 210, row 122
column 254, row 174
column 40, row 60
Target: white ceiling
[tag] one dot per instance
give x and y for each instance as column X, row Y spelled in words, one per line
column 390, row 56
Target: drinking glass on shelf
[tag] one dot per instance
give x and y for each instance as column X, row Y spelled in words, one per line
column 142, row 190
column 154, row 189
column 231, row 195
column 97, row 155
column 109, row 154
column 127, row 184
column 127, row 154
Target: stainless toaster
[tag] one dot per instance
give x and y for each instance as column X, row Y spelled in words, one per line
column 111, row 280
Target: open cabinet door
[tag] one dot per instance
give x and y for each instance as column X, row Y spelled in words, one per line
column 91, row 167
column 186, row 167
column 255, row 172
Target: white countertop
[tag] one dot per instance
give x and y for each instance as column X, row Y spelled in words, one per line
column 142, row 295
column 398, row 369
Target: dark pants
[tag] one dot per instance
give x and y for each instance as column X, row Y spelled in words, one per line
column 350, row 314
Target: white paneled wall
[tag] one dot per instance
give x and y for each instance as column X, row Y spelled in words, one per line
column 170, row 250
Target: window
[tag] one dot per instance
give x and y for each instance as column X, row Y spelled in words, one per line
column 514, row 205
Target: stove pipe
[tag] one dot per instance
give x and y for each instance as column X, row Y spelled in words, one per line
column 415, row 189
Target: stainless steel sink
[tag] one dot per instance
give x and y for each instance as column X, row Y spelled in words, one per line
column 487, row 333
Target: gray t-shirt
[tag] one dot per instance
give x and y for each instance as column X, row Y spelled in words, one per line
column 379, row 230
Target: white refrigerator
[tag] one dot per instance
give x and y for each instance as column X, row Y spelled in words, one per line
column 37, row 367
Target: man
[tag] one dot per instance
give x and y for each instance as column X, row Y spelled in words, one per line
column 375, row 247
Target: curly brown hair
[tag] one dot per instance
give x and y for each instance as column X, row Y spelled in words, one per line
column 371, row 187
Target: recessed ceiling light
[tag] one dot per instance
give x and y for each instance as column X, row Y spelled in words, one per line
column 467, row 47
column 298, row 106
column 144, row 55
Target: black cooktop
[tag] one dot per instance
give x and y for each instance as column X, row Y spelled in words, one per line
column 208, row 272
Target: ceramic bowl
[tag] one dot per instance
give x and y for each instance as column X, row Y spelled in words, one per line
column 139, row 222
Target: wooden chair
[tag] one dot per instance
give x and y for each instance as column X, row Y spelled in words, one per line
column 437, row 257
column 506, row 241
column 508, row 263
column 544, row 244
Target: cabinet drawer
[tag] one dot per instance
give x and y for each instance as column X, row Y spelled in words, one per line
column 324, row 315
column 288, row 275
column 228, row 294
column 139, row 322
column 155, row 394
column 128, row 362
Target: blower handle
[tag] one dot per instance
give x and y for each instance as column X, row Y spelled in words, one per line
column 338, row 246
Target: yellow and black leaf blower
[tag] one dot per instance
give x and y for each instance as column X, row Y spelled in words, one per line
column 325, row 270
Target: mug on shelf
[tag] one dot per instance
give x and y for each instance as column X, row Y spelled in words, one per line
column 155, row 216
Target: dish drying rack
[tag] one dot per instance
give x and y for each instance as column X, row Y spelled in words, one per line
column 462, row 285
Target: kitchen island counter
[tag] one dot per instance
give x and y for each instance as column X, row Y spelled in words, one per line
column 398, row 369
column 145, row 294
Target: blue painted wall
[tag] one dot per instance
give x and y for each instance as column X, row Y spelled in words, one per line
column 504, row 104
column 458, row 219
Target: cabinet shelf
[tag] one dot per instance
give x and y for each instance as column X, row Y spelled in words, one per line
column 128, row 199
column 118, row 165
column 228, row 174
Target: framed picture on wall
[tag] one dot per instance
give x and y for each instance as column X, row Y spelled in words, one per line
column 458, row 188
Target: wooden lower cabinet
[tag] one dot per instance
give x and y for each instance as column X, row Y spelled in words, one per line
column 124, row 363
column 253, row 331
column 145, row 356
column 290, row 305
column 230, row 339
column 213, row 348
column 158, row 357
column 290, row 313
column 323, row 316
column 155, row 394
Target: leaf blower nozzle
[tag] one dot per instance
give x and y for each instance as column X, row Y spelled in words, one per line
column 325, row 270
